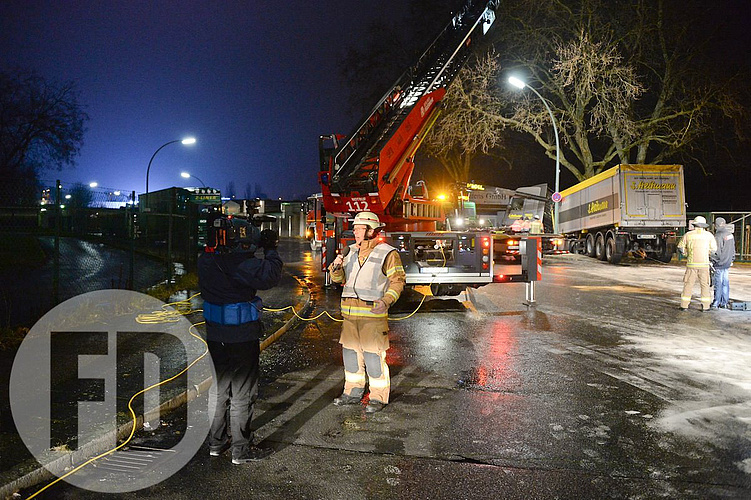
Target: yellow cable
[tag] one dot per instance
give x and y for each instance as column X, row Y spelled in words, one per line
column 134, row 419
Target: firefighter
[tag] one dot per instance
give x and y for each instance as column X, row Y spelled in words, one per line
column 698, row 245
column 526, row 224
column 373, row 279
column 536, row 226
column 228, row 279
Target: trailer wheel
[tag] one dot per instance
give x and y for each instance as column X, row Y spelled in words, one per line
column 572, row 246
column 611, row 254
column 600, row 247
column 590, row 245
column 665, row 255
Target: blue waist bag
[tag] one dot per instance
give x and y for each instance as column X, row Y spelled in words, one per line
column 233, row 314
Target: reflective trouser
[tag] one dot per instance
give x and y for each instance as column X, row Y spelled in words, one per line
column 692, row 274
column 364, row 344
column 233, row 391
column 721, row 288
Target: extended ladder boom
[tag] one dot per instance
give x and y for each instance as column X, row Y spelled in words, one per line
column 355, row 163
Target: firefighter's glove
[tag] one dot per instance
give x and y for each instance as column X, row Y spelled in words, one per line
column 268, row 239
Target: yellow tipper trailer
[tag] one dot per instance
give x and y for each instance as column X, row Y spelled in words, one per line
column 628, row 208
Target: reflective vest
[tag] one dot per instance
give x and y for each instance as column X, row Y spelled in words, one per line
column 366, row 282
column 697, row 245
column 535, row 227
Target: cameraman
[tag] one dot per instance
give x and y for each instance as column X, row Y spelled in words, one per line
column 228, row 278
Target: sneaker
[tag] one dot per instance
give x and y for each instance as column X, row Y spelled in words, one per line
column 215, row 451
column 254, row 454
column 374, row 406
column 346, row 399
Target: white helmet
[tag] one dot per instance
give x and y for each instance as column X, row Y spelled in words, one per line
column 369, row 219
column 700, row 221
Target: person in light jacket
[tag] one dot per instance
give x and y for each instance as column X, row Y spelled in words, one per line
column 373, row 279
column 697, row 245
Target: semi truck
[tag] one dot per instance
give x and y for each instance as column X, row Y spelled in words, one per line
column 627, row 208
column 502, row 211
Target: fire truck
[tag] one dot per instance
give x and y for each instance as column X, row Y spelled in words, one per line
column 371, row 170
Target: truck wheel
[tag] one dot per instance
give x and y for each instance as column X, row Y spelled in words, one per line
column 665, row 255
column 590, row 245
column 611, row 254
column 572, row 246
column 600, row 247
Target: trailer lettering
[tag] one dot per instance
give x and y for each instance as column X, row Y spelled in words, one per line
column 597, row 206
column 666, row 186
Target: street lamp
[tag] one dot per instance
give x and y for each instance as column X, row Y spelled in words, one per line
column 186, row 175
column 516, row 82
column 93, row 184
column 186, row 142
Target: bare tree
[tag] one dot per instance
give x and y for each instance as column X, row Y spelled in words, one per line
column 625, row 81
column 463, row 131
column 41, row 123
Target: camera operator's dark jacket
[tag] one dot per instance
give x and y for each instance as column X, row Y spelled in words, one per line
column 230, row 278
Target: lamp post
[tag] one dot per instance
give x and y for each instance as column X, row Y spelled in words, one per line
column 186, row 175
column 516, row 82
column 187, row 141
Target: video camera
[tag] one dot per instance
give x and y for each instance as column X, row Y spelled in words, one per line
column 227, row 233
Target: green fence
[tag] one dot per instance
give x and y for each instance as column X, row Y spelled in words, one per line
column 58, row 240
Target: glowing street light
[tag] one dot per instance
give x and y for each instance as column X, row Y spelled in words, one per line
column 186, row 142
column 520, row 84
column 186, row 175
column 93, row 184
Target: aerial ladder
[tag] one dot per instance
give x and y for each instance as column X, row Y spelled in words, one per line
column 371, row 168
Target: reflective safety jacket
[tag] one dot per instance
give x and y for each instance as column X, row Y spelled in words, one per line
column 374, row 272
column 697, row 244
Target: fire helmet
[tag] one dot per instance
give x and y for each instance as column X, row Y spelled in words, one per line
column 369, row 219
column 699, row 221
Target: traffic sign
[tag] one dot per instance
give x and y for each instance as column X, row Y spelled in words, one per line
column 556, row 197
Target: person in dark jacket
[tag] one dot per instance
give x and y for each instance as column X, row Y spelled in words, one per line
column 228, row 282
column 722, row 259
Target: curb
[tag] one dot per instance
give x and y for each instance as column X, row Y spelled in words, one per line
column 59, row 466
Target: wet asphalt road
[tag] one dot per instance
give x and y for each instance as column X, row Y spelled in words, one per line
column 583, row 396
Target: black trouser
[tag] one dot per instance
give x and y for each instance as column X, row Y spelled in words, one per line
column 235, row 388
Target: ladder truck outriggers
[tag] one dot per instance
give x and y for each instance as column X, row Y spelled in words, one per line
column 371, row 168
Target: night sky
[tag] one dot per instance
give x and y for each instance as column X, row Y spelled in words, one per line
column 255, row 82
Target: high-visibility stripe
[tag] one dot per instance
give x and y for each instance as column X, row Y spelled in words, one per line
column 362, row 312
column 396, row 269
column 379, row 383
column 683, row 297
column 354, row 378
column 392, row 293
